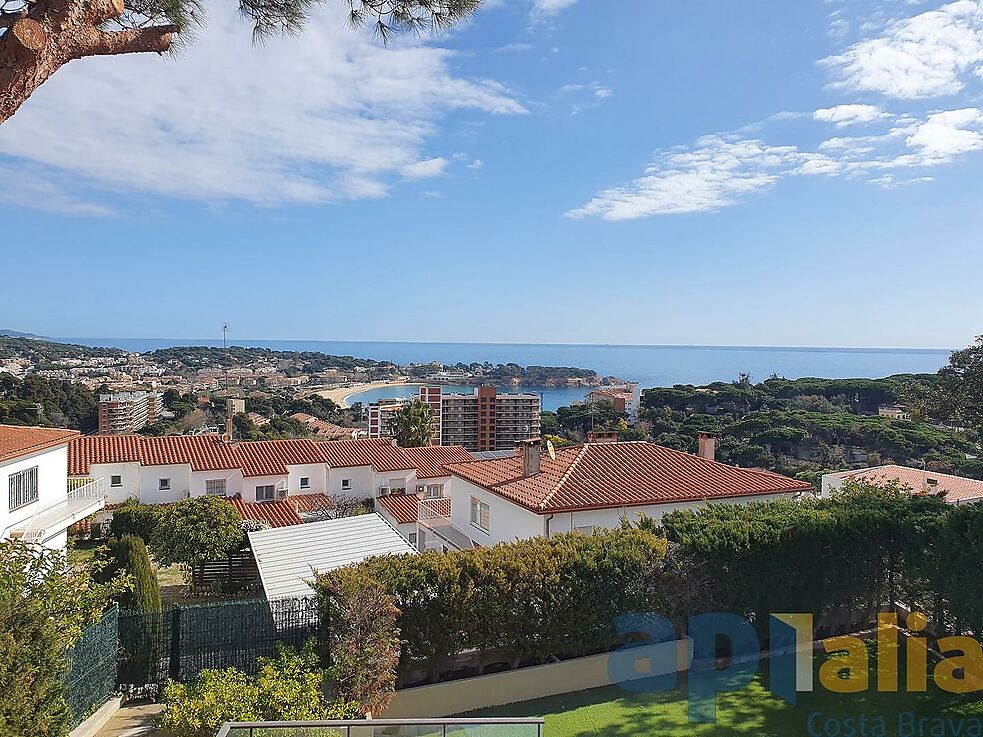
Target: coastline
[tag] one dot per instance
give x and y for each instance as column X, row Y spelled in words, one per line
column 340, row 395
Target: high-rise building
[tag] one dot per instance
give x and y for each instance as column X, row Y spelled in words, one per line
column 484, row 420
column 127, row 412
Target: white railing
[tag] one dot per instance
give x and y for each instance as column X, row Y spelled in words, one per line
column 432, row 519
column 85, row 496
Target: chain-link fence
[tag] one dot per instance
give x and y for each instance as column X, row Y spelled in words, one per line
column 91, row 677
column 181, row 641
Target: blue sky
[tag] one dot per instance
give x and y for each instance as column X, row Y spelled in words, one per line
column 754, row 173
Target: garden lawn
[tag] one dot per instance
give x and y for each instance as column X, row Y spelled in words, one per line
column 751, row 711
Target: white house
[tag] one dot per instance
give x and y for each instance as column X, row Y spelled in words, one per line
column 586, row 487
column 157, row 470
column 958, row 489
column 429, row 487
column 42, row 502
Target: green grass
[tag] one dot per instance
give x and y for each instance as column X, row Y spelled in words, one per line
column 752, row 710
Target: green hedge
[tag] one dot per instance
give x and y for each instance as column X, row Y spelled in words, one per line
column 857, row 550
column 518, row 603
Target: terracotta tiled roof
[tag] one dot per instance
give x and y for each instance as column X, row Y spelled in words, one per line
column 276, row 513
column 308, row 503
column 209, row 453
column 405, row 508
column 612, row 475
column 17, row 441
column 957, row 488
column 430, row 460
column 324, row 429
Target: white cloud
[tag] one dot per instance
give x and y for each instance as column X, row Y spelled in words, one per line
column 847, row 115
column 543, row 8
column 716, row 172
column 603, row 93
column 943, row 136
column 515, row 47
column 425, row 169
column 326, row 115
column 722, row 170
column 476, row 164
column 927, row 55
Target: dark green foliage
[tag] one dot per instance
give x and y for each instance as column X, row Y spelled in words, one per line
column 413, row 425
column 134, row 518
column 129, row 554
column 63, row 404
column 581, row 418
column 807, row 424
column 858, row 550
column 195, row 530
column 44, row 608
column 518, row 603
column 962, row 385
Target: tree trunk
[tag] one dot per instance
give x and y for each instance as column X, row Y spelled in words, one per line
column 38, row 43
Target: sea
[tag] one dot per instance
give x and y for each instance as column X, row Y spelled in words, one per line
column 650, row 365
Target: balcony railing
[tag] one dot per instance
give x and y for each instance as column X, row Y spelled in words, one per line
column 432, row 521
column 85, row 496
column 497, row 727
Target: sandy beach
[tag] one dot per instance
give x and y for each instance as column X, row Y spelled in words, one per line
column 341, row 394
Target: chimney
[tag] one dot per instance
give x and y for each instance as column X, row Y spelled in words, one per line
column 708, row 445
column 228, row 419
column 532, row 452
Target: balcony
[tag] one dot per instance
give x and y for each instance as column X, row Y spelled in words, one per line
column 435, row 526
column 505, row 727
column 85, row 496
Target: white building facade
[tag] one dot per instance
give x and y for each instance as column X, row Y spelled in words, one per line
column 42, row 502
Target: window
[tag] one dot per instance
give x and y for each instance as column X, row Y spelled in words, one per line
column 346, row 484
column 23, row 487
column 305, row 482
column 265, row 493
column 479, row 513
column 164, row 484
column 412, row 538
column 215, row 487
column 115, row 480
column 434, row 491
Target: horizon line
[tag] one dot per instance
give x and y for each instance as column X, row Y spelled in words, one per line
column 701, row 346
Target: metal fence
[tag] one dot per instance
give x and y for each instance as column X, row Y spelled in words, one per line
column 91, row 677
column 181, row 641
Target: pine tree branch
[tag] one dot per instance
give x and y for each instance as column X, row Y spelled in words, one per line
column 138, row 40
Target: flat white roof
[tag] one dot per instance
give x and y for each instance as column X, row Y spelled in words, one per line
column 288, row 557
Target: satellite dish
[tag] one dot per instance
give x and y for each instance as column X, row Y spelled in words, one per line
column 551, row 450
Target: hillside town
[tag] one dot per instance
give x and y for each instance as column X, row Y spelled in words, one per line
column 486, row 368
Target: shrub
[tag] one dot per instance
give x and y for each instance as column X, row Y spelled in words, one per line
column 518, row 603
column 363, row 641
column 44, row 607
column 292, row 686
column 129, row 555
column 196, row 530
column 134, row 518
column 859, row 549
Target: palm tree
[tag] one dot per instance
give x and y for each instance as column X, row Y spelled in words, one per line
column 413, row 425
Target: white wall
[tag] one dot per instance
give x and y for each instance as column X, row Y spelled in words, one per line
column 362, row 482
column 130, row 473
column 150, row 476
column 506, row 521
column 52, row 487
column 611, row 518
